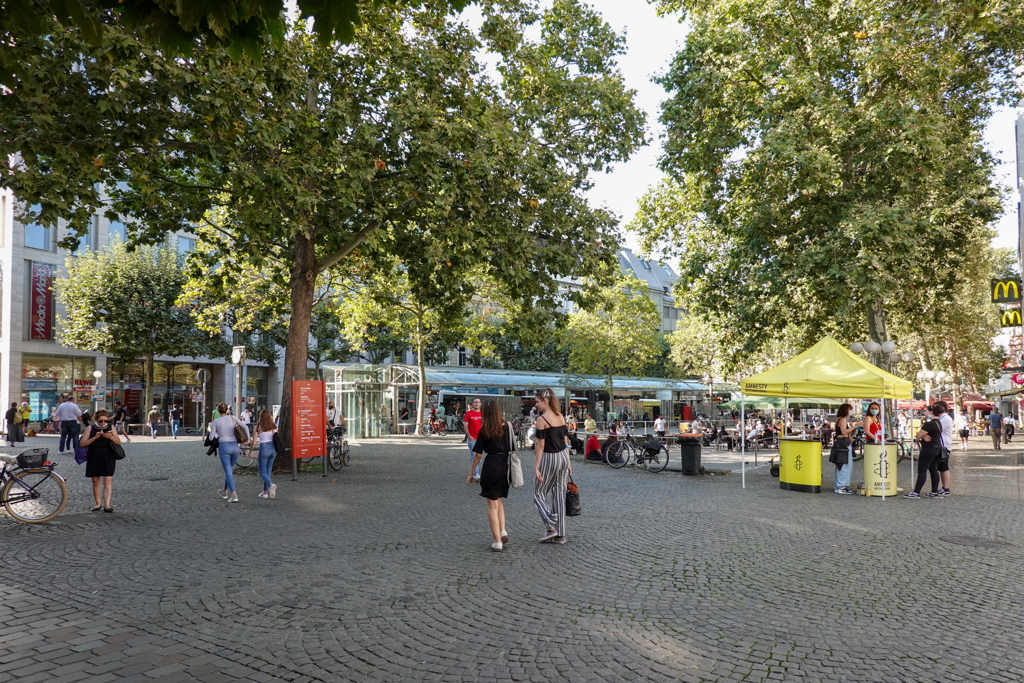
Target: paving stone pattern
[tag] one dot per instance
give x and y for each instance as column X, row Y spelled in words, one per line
column 383, row 571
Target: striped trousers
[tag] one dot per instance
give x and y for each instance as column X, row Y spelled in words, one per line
column 549, row 497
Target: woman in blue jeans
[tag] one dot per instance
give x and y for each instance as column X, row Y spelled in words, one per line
column 223, row 429
column 842, row 450
column 265, row 429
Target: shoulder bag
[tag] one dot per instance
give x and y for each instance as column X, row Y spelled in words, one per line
column 278, row 442
column 240, row 434
column 515, row 467
column 572, row 499
column 118, row 451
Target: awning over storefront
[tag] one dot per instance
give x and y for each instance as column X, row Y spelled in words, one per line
column 511, row 379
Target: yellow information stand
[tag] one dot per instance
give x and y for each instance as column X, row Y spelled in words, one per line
column 879, row 465
column 800, row 465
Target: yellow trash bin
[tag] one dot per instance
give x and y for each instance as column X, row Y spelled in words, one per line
column 880, row 469
column 800, row 465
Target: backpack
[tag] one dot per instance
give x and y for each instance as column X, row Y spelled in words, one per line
column 18, row 418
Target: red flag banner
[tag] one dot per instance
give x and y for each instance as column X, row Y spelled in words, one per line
column 309, row 425
column 41, row 301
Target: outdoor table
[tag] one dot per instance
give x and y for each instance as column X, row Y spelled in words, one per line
column 879, row 461
column 800, row 465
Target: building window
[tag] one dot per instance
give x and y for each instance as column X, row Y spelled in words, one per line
column 87, row 241
column 43, row 377
column 119, row 231
column 462, row 356
column 185, row 245
column 37, row 236
column 647, row 264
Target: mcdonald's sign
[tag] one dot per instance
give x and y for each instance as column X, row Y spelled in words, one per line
column 1011, row 318
column 1006, row 291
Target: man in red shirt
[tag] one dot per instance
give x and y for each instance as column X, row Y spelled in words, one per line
column 471, row 422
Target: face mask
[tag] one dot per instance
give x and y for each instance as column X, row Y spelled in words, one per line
column 874, row 412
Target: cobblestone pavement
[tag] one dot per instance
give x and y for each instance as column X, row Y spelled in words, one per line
column 383, row 571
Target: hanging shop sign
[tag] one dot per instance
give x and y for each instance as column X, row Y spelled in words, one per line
column 1006, row 291
column 41, row 301
column 1011, row 318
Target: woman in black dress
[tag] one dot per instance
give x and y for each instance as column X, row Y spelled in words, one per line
column 99, row 462
column 495, row 440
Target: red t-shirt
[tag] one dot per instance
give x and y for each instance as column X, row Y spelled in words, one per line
column 474, row 420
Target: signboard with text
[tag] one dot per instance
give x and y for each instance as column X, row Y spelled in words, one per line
column 41, row 301
column 309, row 431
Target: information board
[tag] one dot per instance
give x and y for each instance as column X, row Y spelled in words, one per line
column 309, row 430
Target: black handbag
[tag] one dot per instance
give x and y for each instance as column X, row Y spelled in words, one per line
column 278, row 442
column 118, row 451
column 572, row 500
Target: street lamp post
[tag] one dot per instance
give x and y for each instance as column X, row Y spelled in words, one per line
column 96, row 390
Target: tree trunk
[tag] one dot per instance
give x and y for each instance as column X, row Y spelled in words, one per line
column 296, row 354
column 150, row 378
column 922, row 353
column 421, row 402
column 877, row 330
column 954, row 369
column 611, row 393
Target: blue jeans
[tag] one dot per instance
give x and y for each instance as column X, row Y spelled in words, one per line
column 843, row 475
column 228, row 452
column 472, row 442
column 175, row 424
column 267, row 455
column 69, row 431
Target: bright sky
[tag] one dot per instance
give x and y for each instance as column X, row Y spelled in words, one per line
column 652, row 41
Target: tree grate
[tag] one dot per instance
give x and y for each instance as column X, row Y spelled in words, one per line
column 977, row 542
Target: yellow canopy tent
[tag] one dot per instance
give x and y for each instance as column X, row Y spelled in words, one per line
column 827, row 370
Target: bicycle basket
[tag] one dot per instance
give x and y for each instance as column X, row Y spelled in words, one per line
column 35, row 457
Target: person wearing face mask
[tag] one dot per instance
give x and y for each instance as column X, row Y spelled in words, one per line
column 873, row 424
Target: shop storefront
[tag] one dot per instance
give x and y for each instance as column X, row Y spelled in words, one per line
column 173, row 384
column 46, row 376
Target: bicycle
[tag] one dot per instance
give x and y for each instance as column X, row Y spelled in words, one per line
column 858, row 441
column 621, row 452
column 31, row 492
column 338, row 451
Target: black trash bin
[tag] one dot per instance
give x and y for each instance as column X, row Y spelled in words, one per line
column 690, row 448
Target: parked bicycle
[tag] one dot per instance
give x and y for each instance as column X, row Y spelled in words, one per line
column 626, row 450
column 858, row 440
column 31, row 491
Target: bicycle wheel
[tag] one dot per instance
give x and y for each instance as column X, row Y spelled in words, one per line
column 901, row 451
column 656, row 462
column 245, row 458
column 34, row 496
column 617, row 455
column 346, row 453
column 334, row 455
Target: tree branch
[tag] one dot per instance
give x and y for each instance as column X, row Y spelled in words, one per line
column 329, row 260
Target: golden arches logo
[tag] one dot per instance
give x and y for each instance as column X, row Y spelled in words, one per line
column 1005, row 291
column 1011, row 319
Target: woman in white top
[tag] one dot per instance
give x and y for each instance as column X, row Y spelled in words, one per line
column 223, row 429
column 265, row 429
column 963, row 430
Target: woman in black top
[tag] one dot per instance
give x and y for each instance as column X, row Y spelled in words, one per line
column 13, row 428
column 931, row 449
column 494, row 440
column 100, row 462
column 552, row 466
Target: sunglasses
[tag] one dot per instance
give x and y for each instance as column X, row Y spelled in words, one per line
column 101, row 422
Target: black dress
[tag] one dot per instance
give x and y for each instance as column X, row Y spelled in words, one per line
column 99, row 461
column 494, row 472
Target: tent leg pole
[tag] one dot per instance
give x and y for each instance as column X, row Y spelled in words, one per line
column 885, row 470
column 743, row 440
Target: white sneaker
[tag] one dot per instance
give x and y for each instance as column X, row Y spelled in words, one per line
column 504, row 537
column 233, row 498
column 224, row 494
column 273, row 490
column 496, row 547
column 263, row 494
column 476, row 477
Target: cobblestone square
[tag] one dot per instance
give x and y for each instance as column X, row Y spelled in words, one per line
column 383, row 571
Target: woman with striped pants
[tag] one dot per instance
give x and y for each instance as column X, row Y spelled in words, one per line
column 552, row 466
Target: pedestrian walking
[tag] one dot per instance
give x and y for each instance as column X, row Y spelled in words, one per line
column 121, row 420
column 552, row 466
column 154, row 420
column 13, row 418
column 99, row 460
column 1009, row 427
column 471, row 423
column 659, row 426
column 931, row 448
column 246, row 415
column 223, row 429
column 493, row 440
column 995, row 428
column 963, row 429
column 70, row 416
column 842, row 450
column 265, row 429
column 175, row 420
